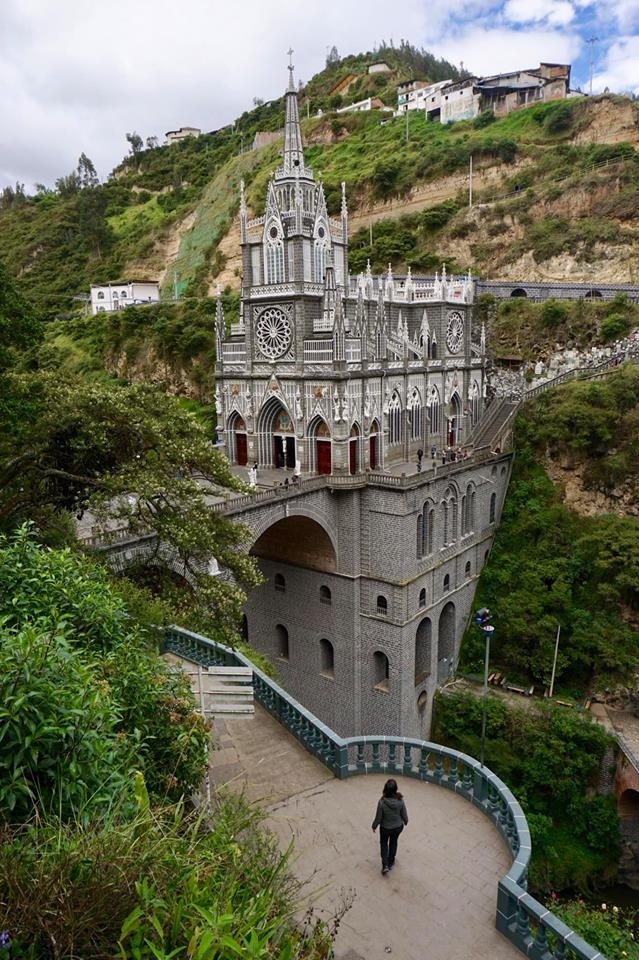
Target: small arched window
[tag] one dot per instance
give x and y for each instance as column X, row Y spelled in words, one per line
column 447, row 583
column 280, row 583
column 422, row 597
column 327, row 658
column 325, row 595
column 100, row 294
column 493, row 507
column 467, row 568
column 382, row 605
column 281, row 636
column 381, row 668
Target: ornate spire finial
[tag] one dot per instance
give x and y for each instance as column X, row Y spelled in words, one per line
column 291, row 84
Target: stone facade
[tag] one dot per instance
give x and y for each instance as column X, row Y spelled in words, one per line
column 370, row 576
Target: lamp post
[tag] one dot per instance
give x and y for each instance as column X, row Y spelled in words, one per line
column 482, row 618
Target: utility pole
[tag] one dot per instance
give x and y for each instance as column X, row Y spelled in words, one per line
column 406, row 121
column 591, row 43
column 470, row 182
column 554, row 663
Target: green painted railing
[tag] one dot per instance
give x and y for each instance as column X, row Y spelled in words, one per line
column 533, row 929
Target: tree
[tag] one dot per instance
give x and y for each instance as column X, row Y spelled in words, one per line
column 58, row 607
column 133, row 457
column 87, row 176
column 135, row 142
column 19, row 327
column 151, row 143
column 332, row 57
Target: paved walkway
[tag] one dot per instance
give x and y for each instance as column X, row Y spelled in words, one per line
column 438, row 903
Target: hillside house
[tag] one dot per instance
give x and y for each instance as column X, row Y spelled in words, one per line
column 380, row 66
column 417, row 94
column 174, row 136
column 370, row 103
column 108, row 297
column 501, row 93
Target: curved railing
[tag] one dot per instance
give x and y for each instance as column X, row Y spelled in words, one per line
column 530, row 927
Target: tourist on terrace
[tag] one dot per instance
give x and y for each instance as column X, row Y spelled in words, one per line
column 391, row 818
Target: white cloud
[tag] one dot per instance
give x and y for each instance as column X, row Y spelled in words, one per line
column 499, row 50
column 557, row 13
column 81, row 75
column 620, row 72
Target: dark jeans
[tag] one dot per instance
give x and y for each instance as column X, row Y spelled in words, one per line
column 388, row 843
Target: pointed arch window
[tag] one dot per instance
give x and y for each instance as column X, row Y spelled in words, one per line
column 425, row 526
column 434, row 411
column 450, row 516
column 493, row 507
column 320, row 248
column 274, row 255
column 395, row 419
column 415, row 415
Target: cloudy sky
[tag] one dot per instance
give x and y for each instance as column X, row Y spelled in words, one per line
column 77, row 75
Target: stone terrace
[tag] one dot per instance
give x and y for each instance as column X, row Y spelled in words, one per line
column 438, row 903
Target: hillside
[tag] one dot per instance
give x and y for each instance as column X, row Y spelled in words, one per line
column 555, row 194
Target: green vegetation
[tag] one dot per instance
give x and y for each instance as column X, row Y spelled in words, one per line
column 605, row 928
column 520, row 328
column 550, row 757
column 583, row 572
column 99, row 739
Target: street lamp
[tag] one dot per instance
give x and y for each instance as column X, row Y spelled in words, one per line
column 482, row 619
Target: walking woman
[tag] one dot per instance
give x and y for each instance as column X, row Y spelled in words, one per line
column 391, row 818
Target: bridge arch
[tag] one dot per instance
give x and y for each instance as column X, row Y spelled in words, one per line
column 518, row 292
column 299, row 540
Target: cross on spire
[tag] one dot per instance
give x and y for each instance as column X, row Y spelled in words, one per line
column 290, row 52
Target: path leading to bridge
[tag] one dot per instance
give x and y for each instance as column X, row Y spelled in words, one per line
column 438, row 903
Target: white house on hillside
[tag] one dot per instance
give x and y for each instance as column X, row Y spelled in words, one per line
column 107, row 297
column 173, row 136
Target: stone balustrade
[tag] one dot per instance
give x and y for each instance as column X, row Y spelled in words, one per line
column 530, row 927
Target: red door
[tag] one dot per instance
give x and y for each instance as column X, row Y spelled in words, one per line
column 352, row 456
column 323, row 456
column 241, row 449
column 373, row 451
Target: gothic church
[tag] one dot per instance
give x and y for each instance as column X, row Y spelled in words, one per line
column 370, row 577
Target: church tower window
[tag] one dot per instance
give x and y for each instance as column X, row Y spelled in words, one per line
column 274, row 256
column 415, row 415
column 395, row 419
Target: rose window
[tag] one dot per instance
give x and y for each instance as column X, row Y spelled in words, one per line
column 455, row 332
column 273, row 332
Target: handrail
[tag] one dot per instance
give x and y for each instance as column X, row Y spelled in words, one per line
column 529, row 926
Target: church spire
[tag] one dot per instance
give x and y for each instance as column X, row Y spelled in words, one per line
column 293, row 150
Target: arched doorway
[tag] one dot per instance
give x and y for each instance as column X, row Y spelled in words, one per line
column 454, row 426
column 518, row 292
column 353, row 450
column 276, row 435
column 373, row 450
column 446, row 643
column 239, row 441
column 323, row 448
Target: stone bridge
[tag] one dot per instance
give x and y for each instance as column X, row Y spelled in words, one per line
column 505, row 290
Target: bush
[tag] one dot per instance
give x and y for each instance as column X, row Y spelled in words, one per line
column 615, row 326
column 559, row 118
column 553, row 314
column 153, row 885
